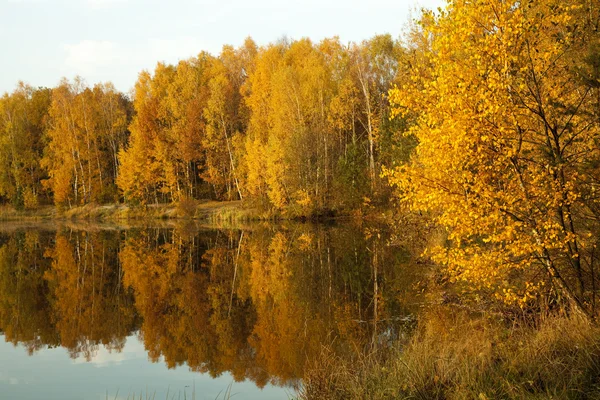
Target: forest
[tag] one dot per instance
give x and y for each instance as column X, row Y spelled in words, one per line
column 293, row 126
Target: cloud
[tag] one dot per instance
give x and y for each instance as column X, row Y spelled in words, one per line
column 89, row 56
column 104, row 357
column 104, row 3
column 180, row 48
column 102, row 60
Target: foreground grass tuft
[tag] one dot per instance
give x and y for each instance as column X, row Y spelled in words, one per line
column 456, row 356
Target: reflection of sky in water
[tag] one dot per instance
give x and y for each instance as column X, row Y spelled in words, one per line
column 51, row 374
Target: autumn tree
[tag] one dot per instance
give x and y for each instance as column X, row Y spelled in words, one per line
column 295, row 126
column 257, row 98
column 288, row 136
column 22, row 124
column 165, row 156
column 506, row 99
column 146, row 169
column 350, row 177
column 226, row 120
column 86, row 127
column 317, row 115
column 375, row 67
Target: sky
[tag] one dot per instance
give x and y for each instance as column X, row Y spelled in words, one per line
column 113, row 40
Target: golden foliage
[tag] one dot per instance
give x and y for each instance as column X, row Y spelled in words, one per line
column 506, row 142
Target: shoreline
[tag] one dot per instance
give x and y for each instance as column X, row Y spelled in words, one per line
column 202, row 211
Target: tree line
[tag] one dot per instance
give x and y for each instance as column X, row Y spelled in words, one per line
column 293, row 125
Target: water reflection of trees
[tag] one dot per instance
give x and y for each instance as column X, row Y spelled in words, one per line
column 258, row 303
column 64, row 289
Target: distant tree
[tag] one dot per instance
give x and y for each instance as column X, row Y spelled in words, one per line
column 85, row 128
column 23, row 116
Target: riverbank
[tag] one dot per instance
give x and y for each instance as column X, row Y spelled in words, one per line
column 198, row 210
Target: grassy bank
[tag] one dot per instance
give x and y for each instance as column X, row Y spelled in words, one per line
column 207, row 210
column 197, row 210
column 453, row 355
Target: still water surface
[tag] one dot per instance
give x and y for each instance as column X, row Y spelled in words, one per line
column 106, row 312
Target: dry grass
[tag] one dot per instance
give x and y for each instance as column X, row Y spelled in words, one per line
column 455, row 356
column 9, row 213
column 186, row 209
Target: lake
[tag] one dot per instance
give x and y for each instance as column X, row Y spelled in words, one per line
column 186, row 311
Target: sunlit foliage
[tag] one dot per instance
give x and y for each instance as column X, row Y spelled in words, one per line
column 86, row 129
column 294, row 127
column 506, row 99
column 22, row 125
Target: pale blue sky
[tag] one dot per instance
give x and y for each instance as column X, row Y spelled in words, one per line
column 113, row 40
